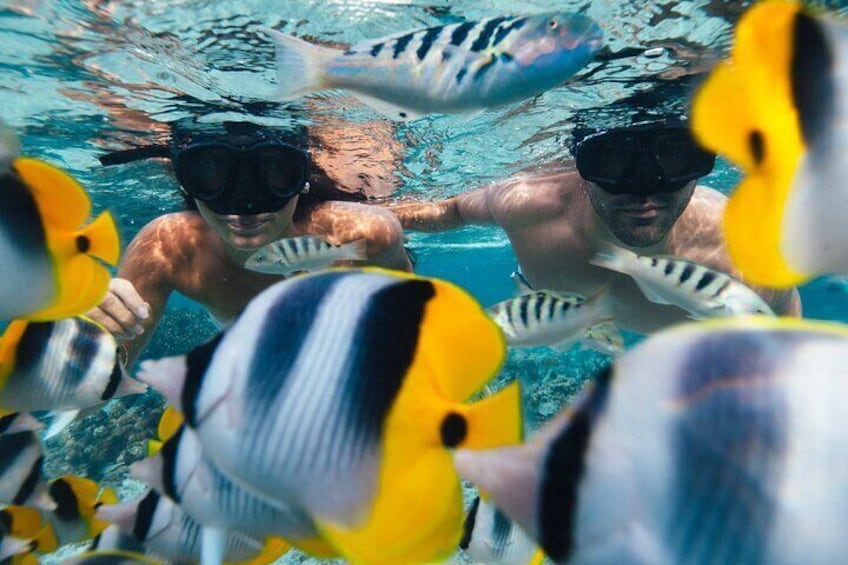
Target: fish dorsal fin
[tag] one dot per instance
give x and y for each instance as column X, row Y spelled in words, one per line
column 62, row 201
column 8, row 345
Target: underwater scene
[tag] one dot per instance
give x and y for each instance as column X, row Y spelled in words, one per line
column 402, row 281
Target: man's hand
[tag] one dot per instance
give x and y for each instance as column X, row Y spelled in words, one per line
column 122, row 311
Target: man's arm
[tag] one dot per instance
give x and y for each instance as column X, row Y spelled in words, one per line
column 467, row 208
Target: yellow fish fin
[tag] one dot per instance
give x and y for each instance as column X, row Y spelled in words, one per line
column 538, row 558
column 25, row 522
column 495, row 420
column 169, row 423
column 81, row 283
column 61, row 200
column 25, row 559
column 273, row 549
column 317, row 546
column 8, row 345
column 745, row 110
column 464, row 347
column 103, row 239
column 153, row 447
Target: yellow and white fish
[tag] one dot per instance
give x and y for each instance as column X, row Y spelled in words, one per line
column 48, row 255
column 359, row 410
column 73, row 520
column 454, row 68
column 21, row 478
column 699, row 290
column 548, row 317
column 492, row 538
column 304, row 253
column 724, row 441
column 67, row 365
column 778, row 108
column 168, row 532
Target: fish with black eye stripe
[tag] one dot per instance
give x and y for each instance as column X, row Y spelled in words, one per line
column 352, row 422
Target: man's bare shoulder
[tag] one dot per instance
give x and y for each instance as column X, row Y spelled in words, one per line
column 532, row 198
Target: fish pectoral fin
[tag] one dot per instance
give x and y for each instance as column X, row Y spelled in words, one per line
column 61, row 420
column 391, row 111
column 651, row 293
column 495, row 420
column 564, row 345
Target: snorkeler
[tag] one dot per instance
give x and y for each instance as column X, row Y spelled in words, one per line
column 245, row 184
column 634, row 187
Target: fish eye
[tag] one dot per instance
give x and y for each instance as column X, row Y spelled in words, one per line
column 553, row 24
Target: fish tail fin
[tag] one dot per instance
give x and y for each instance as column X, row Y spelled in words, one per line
column 25, row 559
column 154, row 446
column 12, row 545
column 300, row 65
column 612, row 257
column 169, row 423
column 273, row 549
column 128, row 386
column 495, row 420
column 103, row 239
column 356, row 250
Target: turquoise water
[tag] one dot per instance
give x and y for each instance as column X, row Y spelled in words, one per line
column 80, row 77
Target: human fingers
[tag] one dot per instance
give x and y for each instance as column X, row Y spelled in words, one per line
column 122, row 310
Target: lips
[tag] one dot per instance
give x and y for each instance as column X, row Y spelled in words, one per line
column 246, row 224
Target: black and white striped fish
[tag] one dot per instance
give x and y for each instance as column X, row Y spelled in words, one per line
column 18, row 422
column 364, row 402
column 65, row 365
column 718, row 442
column 547, row 317
column 699, row 290
column 492, row 538
column 21, row 478
column 453, row 68
column 166, row 531
column 304, row 253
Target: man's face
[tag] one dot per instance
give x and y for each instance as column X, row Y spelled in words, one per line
column 640, row 220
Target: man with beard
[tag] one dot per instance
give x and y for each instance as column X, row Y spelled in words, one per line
column 635, row 187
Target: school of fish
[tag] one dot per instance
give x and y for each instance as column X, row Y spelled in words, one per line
column 341, row 409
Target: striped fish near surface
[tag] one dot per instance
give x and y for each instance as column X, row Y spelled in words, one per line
column 303, row 253
column 359, row 410
column 557, row 319
column 717, row 442
column 699, row 290
column 455, row 68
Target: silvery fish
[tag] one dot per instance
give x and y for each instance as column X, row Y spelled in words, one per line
column 699, row 290
column 547, row 317
column 303, row 253
column 722, row 441
column 455, row 68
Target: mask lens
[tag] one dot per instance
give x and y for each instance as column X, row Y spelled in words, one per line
column 678, row 155
column 204, row 171
column 281, row 169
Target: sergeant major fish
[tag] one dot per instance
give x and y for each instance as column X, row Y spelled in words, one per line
column 778, row 108
column 717, row 442
column 49, row 254
column 454, row 68
column 357, row 412
column 547, row 317
column 699, row 290
column 303, row 253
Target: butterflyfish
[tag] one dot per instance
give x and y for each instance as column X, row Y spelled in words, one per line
column 701, row 291
column 358, row 411
column 112, row 557
column 778, row 108
column 63, row 366
column 21, row 478
column 716, row 442
column 455, row 68
column 490, row 537
column 50, row 256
